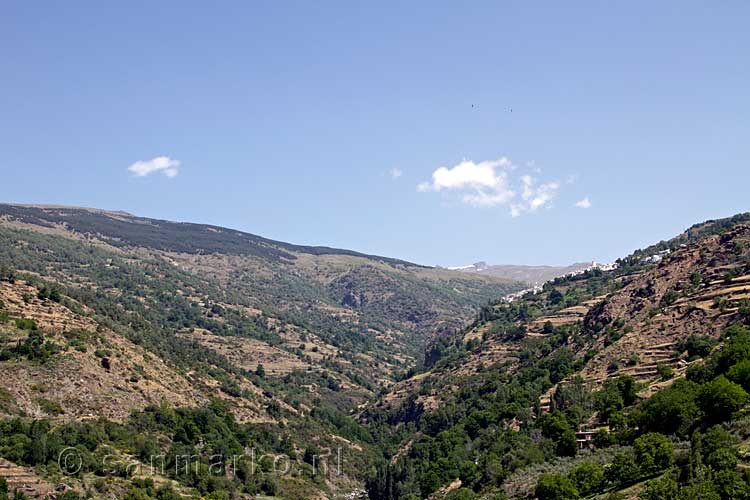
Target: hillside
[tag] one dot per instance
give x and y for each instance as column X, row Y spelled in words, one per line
column 586, row 363
column 415, row 382
column 110, row 316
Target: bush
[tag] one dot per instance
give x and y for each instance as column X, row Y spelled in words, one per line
column 665, row 371
column 50, row 407
column 26, row 324
column 735, row 350
column 604, row 439
column 461, row 494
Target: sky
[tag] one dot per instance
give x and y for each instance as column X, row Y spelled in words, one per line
column 442, row 133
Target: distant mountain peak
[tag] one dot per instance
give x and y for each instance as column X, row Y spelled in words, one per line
column 529, row 274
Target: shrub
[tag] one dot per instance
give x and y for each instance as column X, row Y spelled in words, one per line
column 50, row 407
column 669, row 298
column 26, row 324
column 461, row 494
column 717, row 438
column 665, row 371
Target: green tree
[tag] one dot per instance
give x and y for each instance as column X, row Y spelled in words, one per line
column 720, row 399
column 704, row 490
column 715, row 440
column 653, row 453
column 740, row 374
column 588, row 478
column 731, row 486
column 673, row 410
column 660, row 489
column 723, row 459
column 736, row 348
column 557, row 428
column 623, row 470
column 555, row 487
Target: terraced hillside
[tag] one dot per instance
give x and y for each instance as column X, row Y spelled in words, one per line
column 502, row 399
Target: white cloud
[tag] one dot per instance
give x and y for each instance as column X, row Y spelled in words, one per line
column 396, row 173
column 484, row 184
column 584, row 203
column 533, row 196
column 163, row 164
column 490, row 184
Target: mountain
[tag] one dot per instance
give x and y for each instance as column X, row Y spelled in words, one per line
column 125, row 340
column 533, row 275
column 568, row 392
column 166, row 337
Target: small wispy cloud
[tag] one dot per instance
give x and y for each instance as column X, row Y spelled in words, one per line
column 396, row 173
column 159, row 164
column 534, row 196
column 494, row 183
column 584, row 203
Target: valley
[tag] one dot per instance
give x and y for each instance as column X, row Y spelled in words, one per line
column 125, row 338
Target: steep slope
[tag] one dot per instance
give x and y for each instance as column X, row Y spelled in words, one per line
column 485, row 418
column 80, row 384
column 107, row 315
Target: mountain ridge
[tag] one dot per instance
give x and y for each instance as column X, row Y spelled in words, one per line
column 532, row 274
column 71, row 217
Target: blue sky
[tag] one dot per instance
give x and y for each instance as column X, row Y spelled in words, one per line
column 289, row 119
